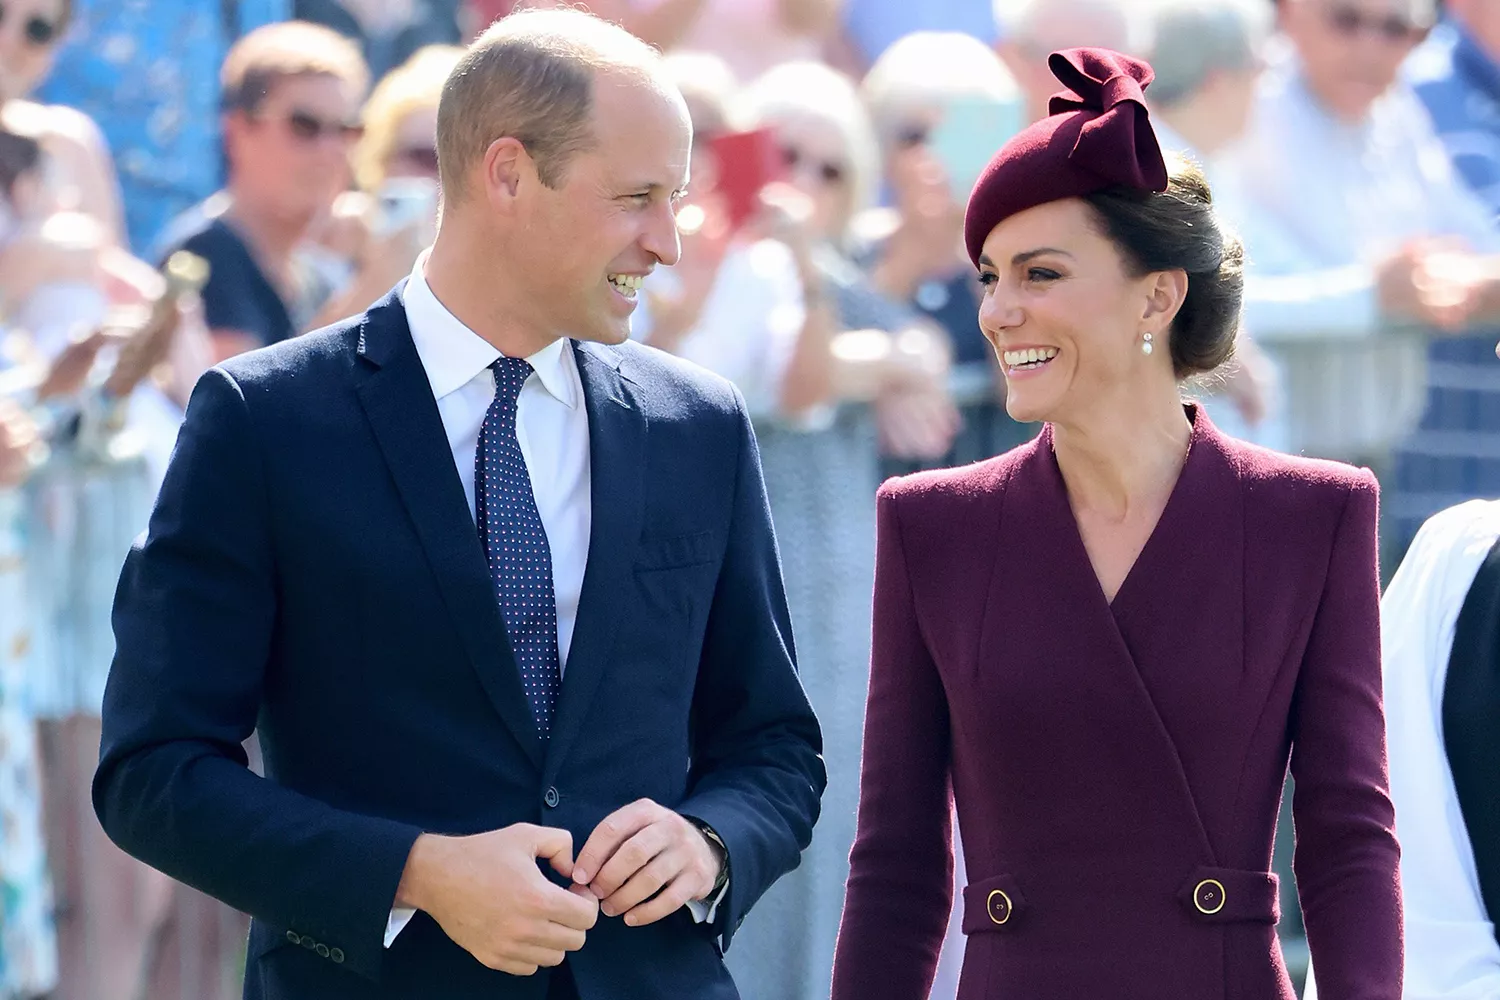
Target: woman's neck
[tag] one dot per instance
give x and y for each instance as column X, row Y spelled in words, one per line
column 1116, row 460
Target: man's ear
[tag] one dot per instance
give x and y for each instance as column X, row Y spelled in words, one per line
column 506, row 167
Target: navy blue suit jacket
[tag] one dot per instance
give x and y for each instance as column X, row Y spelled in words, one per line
column 312, row 571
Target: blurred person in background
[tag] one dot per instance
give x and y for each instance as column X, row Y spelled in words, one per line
column 28, row 944
column 372, row 234
column 751, row 36
column 80, row 176
column 820, row 454
column 1371, row 258
column 147, row 74
column 1208, row 55
column 388, row 32
column 84, row 177
column 1456, row 73
column 118, row 924
column 292, row 95
column 1030, row 29
column 942, row 103
column 872, row 26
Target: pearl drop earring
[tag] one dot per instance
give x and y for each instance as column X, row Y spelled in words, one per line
column 1146, row 345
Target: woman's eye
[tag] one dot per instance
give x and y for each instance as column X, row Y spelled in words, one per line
column 988, row 278
column 1042, row 274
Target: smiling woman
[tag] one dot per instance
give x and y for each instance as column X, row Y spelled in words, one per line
column 1117, row 779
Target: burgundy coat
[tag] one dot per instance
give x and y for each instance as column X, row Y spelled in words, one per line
column 1118, row 767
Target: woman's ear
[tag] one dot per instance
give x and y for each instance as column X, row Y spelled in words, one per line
column 1165, row 293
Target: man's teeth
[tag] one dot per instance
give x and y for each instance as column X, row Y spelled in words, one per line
column 627, row 284
column 1031, row 356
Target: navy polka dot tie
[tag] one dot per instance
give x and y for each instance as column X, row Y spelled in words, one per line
column 516, row 544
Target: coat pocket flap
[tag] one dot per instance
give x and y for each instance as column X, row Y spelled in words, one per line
column 1230, row 895
column 673, row 551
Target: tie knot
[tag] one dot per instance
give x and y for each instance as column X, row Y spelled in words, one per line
column 510, row 375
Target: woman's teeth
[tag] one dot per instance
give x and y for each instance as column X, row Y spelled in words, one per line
column 627, row 284
column 1033, row 357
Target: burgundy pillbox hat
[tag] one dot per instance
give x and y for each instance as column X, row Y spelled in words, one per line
column 1097, row 136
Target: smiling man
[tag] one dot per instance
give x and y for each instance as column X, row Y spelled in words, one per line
column 497, row 587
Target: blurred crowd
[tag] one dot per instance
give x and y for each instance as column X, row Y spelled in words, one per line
column 184, row 180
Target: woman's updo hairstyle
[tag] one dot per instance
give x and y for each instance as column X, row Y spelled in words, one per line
column 1178, row 229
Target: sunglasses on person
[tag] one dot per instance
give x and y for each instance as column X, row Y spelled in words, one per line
column 420, row 157
column 309, row 128
column 38, row 30
column 912, row 136
column 828, row 171
column 1352, row 22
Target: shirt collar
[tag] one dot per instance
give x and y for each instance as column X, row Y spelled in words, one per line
column 453, row 355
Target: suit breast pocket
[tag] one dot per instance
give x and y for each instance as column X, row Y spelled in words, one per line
column 676, row 574
column 661, row 552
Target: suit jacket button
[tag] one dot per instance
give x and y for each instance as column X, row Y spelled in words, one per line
column 323, row 951
column 552, row 798
column 337, row 955
column 294, row 937
column 309, row 943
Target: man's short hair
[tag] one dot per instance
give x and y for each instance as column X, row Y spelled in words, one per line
column 277, row 52
column 531, row 77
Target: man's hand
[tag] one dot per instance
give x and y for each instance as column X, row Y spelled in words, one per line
column 645, row 861
column 488, row 895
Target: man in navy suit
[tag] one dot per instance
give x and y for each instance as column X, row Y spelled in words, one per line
column 490, row 581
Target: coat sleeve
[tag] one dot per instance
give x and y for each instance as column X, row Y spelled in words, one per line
column 758, row 774
column 1346, row 858
column 194, row 622
column 900, row 891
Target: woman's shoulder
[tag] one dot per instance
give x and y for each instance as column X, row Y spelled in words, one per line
column 956, row 487
column 1297, row 484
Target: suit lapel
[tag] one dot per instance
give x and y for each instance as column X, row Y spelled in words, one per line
column 617, row 446
column 397, row 400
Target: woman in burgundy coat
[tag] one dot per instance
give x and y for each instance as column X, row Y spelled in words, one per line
column 1108, row 644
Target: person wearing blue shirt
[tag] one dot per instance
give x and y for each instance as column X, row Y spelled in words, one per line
column 1456, row 73
column 148, row 74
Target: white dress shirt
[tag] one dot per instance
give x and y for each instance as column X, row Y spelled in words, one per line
column 552, row 428
column 1451, row 952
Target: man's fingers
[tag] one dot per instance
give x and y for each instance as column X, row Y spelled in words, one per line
column 554, row 845
column 554, row 937
column 570, row 909
column 633, row 855
column 643, row 884
column 614, row 830
column 671, row 899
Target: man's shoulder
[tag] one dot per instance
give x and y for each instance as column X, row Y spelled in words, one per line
column 300, row 362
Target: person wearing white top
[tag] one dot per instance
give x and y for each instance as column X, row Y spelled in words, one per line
column 1451, row 947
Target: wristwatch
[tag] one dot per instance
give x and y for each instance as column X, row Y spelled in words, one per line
column 717, row 843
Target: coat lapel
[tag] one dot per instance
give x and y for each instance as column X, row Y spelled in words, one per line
column 617, row 447
column 1046, row 578
column 397, row 400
